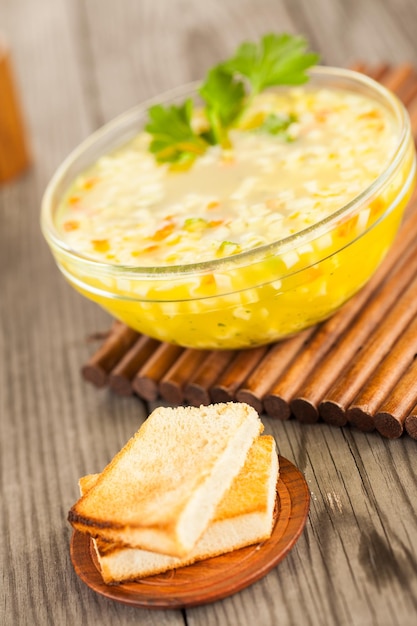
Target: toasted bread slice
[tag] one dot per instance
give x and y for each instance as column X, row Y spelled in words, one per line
column 244, row 516
column 162, row 489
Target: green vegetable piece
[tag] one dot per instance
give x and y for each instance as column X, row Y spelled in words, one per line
column 227, row 248
column 173, row 138
column 277, row 124
column 194, row 224
column 276, row 60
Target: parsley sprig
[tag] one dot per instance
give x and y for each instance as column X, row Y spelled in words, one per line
column 226, row 92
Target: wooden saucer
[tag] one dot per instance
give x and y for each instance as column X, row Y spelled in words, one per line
column 211, row 579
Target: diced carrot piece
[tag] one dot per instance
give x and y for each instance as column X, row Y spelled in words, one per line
column 136, row 253
column 75, row 199
column 150, row 248
column 90, row 182
column 163, row 232
column 70, row 225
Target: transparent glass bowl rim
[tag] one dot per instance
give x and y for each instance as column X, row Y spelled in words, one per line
column 134, row 118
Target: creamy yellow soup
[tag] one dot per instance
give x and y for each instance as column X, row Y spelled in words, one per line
column 129, row 211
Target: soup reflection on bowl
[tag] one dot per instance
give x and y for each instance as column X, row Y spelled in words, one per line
column 250, row 244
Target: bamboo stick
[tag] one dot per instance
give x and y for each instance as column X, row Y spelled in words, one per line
column 197, row 390
column 392, row 414
column 358, row 66
column 396, row 77
column 411, row 423
column 412, row 111
column 336, row 401
column 146, row 381
column 409, row 91
column 171, row 387
column 120, row 378
column 242, row 365
column 363, row 409
column 100, row 364
column 254, row 389
column 379, row 72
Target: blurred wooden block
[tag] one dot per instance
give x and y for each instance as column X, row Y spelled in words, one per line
column 14, row 153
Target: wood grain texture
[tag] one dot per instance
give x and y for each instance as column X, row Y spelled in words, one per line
column 78, row 63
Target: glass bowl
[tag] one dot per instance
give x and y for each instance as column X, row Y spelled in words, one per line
column 257, row 296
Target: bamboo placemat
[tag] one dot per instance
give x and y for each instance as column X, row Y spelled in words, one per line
column 357, row 368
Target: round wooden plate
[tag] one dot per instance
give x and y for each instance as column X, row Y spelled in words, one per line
column 211, row 579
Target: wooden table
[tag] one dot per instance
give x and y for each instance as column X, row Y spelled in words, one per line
column 78, row 64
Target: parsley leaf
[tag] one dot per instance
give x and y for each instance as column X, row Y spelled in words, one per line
column 173, row 138
column 276, row 60
column 224, row 96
